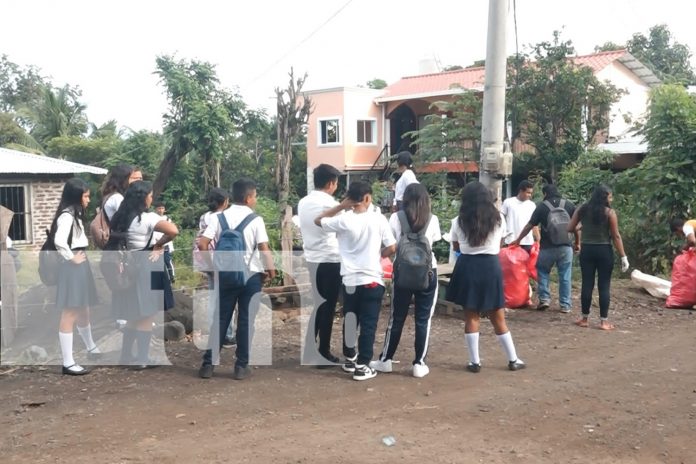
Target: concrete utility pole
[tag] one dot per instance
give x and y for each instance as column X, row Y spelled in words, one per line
column 493, row 125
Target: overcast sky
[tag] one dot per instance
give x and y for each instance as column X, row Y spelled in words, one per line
column 108, row 48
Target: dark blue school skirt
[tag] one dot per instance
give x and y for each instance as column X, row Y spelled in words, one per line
column 477, row 283
column 75, row 286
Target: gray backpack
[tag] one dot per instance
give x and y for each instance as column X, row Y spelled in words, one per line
column 413, row 265
column 557, row 224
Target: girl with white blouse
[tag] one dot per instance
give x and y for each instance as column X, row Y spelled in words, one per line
column 75, row 291
column 134, row 226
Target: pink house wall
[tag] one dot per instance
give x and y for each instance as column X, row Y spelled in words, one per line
column 348, row 106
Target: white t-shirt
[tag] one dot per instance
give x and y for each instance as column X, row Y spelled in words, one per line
column 169, row 246
column 140, row 230
column 360, row 241
column 254, row 232
column 79, row 238
column 432, row 233
column 517, row 215
column 112, row 204
column 491, row 247
column 406, row 179
column 319, row 245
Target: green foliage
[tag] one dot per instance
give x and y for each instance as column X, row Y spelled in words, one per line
column 444, row 199
column 19, row 86
column 57, row 113
column 452, row 132
column 376, row 84
column 670, row 60
column 551, row 99
column 581, row 176
column 81, row 150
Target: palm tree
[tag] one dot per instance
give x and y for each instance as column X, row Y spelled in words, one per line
column 58, row 113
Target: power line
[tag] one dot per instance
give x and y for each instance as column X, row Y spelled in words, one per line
column 303, row 41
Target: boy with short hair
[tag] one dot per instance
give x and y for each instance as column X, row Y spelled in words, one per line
column 363, row 238
column 255, row 243
column 684, row 229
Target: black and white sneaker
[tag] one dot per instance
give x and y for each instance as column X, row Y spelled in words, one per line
column 363, row 372
column 349, row 365
column 516, row 365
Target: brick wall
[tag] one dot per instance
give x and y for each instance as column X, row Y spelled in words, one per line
column 45, row 196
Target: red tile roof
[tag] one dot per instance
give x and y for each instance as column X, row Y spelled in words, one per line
column 437, row 84
column 449, row 166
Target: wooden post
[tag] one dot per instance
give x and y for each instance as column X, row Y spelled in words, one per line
column 286, row 245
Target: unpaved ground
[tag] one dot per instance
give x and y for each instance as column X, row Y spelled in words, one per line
column 587, row 396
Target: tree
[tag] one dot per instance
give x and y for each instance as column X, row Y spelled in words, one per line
column 376, row 84
column 452, row 132
column 556, row 107
column 19, row 86
column 608, row 47
column 453, row 67
column 12, row 135
column 669, row 59
column 201, row 115
column 58, row 113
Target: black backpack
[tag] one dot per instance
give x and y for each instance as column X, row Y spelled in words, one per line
column 118, row 264
column 413, row 265
column 50, row 259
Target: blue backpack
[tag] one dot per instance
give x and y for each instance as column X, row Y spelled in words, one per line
column 229, row 253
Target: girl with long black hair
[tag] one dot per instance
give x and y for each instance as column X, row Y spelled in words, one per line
column 133, row 225
column 600, row 227
column 477, row 279
column 76, row 291
column 416, row 212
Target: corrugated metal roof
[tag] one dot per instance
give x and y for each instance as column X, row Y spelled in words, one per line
column 451, row 82
column 18, row 162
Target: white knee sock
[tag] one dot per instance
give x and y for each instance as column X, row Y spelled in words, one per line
column 507, row 344
column 66, row 340
column 472, row 342
column 86, row 334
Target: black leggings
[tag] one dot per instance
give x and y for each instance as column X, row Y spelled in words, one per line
column 599, row 260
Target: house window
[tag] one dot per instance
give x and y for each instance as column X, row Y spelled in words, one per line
column 329, row 132
column 16, row 198
column 366, row 131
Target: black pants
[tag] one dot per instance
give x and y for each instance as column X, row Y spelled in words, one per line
column 326, row 284
column 424, row 305
column 596, row 260
column 361, row 307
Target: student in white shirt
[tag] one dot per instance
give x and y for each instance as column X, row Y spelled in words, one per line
column 518, row 211
column 115, row 185
column 363, row 238
column 323, row 260
column 76, row 291
column 416, row 209
column 404, row 165
column 257, row 249
column 477, row 280
column 135, row 226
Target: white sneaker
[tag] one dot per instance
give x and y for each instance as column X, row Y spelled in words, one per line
column 420, row 370
column 382, row 366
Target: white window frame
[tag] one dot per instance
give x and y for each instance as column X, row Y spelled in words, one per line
column 373, row 122
column 28, row 223
column 339, row 120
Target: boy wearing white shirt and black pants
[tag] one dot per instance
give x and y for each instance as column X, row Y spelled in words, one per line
column 363, row 238
column 256, row 243
column 321, row 254
column 518, row 211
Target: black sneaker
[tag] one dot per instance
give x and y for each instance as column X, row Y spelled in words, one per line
column 206, row 371
column 473, row 367
column 349, row 365
column 516, row 365
column 543, row 306
column 363, row 372
column 241, row 373
column 229, row 342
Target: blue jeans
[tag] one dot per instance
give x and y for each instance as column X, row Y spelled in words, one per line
column 562, row 257
column 364, row 303
column 212, row 305
column 241, row 298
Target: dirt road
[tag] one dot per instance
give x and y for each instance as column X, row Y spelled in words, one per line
column 628, row 396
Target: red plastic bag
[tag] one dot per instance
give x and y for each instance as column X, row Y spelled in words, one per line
column 531, row 262
column 683, row 291
column 387, row 267
column 513, row 261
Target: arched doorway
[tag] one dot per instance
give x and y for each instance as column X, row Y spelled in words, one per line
column 401, row 121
